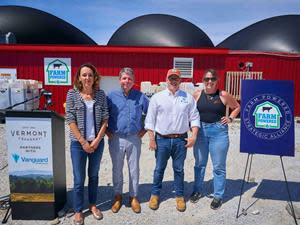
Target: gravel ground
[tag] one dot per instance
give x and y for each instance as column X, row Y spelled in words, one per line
column 264, row 198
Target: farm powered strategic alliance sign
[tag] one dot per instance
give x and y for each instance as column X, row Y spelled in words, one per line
column 267, row 117
column 57, row 71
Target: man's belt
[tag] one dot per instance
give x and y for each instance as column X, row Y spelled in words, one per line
column 172, row 135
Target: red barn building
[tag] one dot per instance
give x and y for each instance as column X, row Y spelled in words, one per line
column 149, row 64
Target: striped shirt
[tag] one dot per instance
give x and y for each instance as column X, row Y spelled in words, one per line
column 76, row 111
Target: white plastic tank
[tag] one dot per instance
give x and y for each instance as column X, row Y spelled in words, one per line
column 18, row 93
column 187, row 87
column 154, row 88
column 162, row 86
column 146, row 88
column 34, row 88
column 4, row 94
column 199, row 86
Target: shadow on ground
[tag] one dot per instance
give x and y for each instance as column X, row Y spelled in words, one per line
column 233, row 188
column 104, row 197
column 277, row 190
column 105, row 193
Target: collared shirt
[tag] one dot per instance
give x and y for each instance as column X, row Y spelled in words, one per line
column 172, row 114
column 125, row 112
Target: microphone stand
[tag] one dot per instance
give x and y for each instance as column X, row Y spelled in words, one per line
column 5, row 205
column 26, row 100
column 3, row 111
column 48, row 102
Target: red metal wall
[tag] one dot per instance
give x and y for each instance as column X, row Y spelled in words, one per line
column 275, row 66
column 149, row 64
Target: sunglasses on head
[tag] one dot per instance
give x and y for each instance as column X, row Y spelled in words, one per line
column 206, row 79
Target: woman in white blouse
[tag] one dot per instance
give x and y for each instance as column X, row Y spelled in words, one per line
column 86, row 115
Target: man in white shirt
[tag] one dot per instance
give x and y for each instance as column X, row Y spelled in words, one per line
column 170, row 115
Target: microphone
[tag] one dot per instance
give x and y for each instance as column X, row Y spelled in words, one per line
column 48, row 97
column 44, row 92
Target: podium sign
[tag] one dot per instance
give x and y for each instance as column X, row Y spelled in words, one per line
column 30, row 159
column 36, row 157
column 267, row 117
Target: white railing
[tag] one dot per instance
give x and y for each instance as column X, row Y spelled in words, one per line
column 233, row 81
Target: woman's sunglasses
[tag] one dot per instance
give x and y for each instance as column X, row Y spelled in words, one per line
column 206, row 79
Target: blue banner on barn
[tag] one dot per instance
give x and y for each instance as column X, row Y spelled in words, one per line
column 267, row 117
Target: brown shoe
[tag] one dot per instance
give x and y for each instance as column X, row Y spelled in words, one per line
column 78, row 219
column 97, row 214
column 117, row 203
column 154, row 202
column 135, row 205
column 180, row 204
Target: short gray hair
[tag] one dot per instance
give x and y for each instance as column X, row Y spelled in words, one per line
column 128, row 71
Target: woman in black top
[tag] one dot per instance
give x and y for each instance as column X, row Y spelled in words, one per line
column 212, row 136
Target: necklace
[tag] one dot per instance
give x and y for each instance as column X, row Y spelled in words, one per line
column 87, row 96
column 211, row 97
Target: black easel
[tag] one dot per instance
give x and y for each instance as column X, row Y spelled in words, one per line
column 5, row 204
column 287, row 187
column 243, row 183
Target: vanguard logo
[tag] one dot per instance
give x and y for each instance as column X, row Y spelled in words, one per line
column 15, row 157
column 24, row 159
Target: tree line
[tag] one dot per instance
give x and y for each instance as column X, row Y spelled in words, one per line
column 37, row 184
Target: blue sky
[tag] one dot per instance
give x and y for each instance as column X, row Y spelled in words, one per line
column 99, row 19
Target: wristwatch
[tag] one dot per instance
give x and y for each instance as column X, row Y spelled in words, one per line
column 231, row 119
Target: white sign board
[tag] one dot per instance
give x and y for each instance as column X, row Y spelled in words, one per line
column 8, row 73
column 29, row 146
column 57, row 71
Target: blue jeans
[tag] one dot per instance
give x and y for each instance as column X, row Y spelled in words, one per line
column 166, row 148
column 213, row 139
column 79, row 158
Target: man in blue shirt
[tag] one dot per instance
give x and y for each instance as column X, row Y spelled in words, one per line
column 125, row 130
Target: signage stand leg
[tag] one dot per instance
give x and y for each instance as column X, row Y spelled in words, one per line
column 7, row 214
column 242, row 187
column 249, row 167
column 288, row 191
